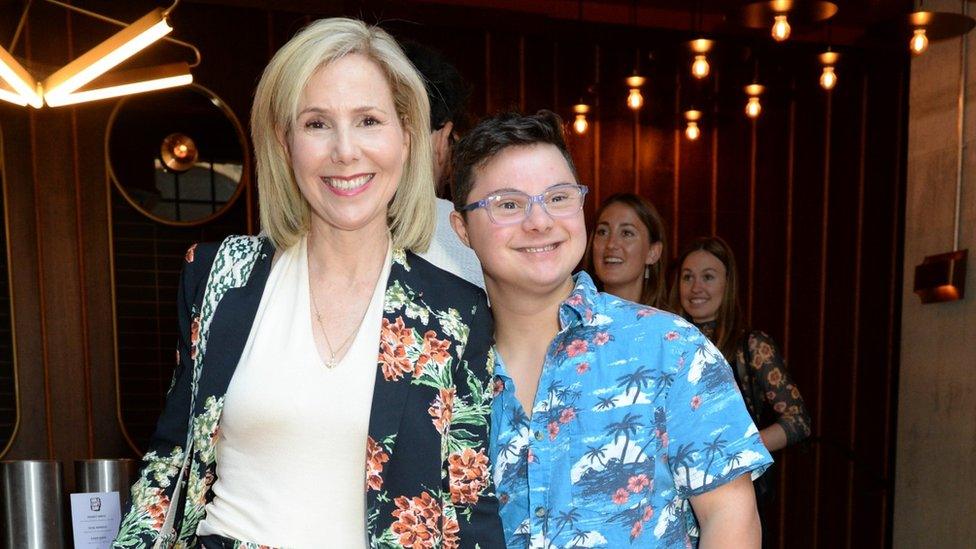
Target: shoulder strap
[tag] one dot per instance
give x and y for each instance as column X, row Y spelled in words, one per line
column 231, row 268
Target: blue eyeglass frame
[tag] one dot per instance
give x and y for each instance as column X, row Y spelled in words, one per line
column 533, row 199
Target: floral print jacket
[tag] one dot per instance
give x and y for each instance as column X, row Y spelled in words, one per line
column 426, row 471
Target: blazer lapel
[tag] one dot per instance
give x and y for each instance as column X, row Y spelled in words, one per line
column 389, row 390
column 231, row 327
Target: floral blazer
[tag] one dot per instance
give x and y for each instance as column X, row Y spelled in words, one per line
column 426, row 472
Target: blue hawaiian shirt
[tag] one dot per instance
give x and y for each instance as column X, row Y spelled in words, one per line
column 636, row 412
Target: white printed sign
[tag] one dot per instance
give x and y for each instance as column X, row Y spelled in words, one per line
column 95, row 519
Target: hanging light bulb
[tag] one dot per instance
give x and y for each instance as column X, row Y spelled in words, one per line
column 580, row 125
column 692, row 131
column 753, row 107
column 919, row 42
column 781, row 28
column 699, row 66
column 828, row 78
column 634, row 99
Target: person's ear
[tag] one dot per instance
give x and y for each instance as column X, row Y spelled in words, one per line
column 654, row 253
column 440, row 141
column 460, row 227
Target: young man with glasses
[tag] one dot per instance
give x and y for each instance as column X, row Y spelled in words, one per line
column 613, row 423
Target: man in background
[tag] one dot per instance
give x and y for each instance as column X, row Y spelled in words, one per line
column 448, row 94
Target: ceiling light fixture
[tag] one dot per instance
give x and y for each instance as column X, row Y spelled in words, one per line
column 753, row 107
column 692, row 131
column 23, row 88
column 580, row 125
column 634, row 99
column 776, row 15
column 129, row 83
column 67, row 86
column 828, row 77
column 781, row 28
column 932, row 26
column 700, row 67
column 105, row 56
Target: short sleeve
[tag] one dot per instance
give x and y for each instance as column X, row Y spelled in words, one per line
column 712, row 439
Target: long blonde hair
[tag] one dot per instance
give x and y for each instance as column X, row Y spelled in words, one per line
column 285, row 213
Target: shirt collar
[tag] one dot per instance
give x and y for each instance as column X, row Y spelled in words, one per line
column 578, row 307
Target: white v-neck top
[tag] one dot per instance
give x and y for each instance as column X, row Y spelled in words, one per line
column 291, row 451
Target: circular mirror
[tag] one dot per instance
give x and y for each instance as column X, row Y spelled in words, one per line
column 179, row 156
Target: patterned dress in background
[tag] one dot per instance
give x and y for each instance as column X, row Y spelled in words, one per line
column 767, row 388
column 636, row 412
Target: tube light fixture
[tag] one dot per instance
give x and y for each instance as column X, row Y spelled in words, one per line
column 103, row 57
column 128, row 83
column 23, row 88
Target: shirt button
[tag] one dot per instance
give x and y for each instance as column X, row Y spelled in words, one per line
column 538, row 436
column 540, row 512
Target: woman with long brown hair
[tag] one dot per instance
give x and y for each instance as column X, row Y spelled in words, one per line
column 703, row 289
column 627, row 252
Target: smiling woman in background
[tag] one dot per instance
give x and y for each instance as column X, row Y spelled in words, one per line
column 628, row 250
column 703, row 288
column 336, row 386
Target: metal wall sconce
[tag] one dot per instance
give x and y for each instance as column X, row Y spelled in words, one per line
column 942, row 277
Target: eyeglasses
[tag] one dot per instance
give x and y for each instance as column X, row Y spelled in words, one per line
column 510, row 207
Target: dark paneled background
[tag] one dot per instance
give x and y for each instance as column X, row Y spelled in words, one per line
column 809, row 196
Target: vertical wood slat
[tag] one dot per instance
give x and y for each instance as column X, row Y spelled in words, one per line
column 80, row 243
column 595, row 98
column 42, row 304
column 822, row 312
column 713, row 202
column 751, row 250
column 894, row 291
column 521, row 72
column 83, row 290
column 787, row 268
column 676, row 180
column 855, row 347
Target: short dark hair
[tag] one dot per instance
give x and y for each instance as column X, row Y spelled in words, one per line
column 446, row 89
column 497, row 133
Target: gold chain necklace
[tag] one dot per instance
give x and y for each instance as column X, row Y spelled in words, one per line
column 333, row 361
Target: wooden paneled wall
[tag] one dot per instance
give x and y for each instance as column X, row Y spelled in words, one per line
column 809, row 196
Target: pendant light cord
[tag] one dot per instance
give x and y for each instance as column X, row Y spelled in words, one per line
column 960, row 132
column 20, row 25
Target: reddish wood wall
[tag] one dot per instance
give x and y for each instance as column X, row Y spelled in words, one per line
column 809, row 196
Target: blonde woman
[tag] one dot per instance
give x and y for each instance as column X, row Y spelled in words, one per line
column 337, row 386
